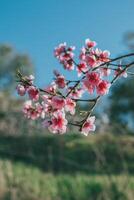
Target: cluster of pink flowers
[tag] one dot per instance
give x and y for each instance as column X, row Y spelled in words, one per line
column 54, row 103
column 93, row 80
column 33, row 111
column 65, row 55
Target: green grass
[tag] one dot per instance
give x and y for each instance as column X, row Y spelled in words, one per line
column 96, row 154
column 69, row 167
column 21, row 182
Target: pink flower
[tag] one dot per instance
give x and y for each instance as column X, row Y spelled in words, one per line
column 46, row 98
column 48, row 109
column 88, row 86
column 33, row 111
column 70, row 106
column 105, row 71
column 58, row 123
column 88, row 126
column 91, row 60
column 40, row 110
column 103, row 87
column 120, row 72
column 104, row 56
column 77, row 93
column 82, row 67
column 51, row 88
column 65, row 56
column 82, row 55
column 21, row 90
column 60, row 49
column 68, row 64
column 58, row 102
column 93, row 78
column 60, row 81
column 90, row 43
column 33, row 93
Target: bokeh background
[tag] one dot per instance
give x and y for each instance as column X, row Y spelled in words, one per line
column 34, row 164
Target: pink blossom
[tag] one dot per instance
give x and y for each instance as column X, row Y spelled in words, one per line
column 21, row 90
column 82, row 67
column 88, row 86
column 60, row 97
column 68, row 64
column 46, row 98
column 103, row 87
column 120, row 72
column 65, row 56
column 91, row 60
column 60, row 81
column 58, row 123
column 48, row 109
column 58, row 102
column 33, row 93
column 104, row 56
column 51, row 88
column 105, row 71
column 33, row 111
column 88, row 126
column 76, row 93
column 40, row 110
column 82, row 55
column 90, row 43
column 60, row 49
column 93, row 78
column 70, row 106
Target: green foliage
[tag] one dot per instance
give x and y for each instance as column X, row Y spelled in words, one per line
column 66, row 167
column 71, row 154
column 10, row 61
column 18, row 181
column 122, row 103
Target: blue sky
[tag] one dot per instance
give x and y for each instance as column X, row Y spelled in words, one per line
column 37, row 26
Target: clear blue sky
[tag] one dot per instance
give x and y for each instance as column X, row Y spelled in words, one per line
column 37, row 26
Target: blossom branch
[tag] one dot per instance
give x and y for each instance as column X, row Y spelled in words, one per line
column 54, row 102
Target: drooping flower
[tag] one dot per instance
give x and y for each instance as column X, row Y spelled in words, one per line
column 88, row 126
